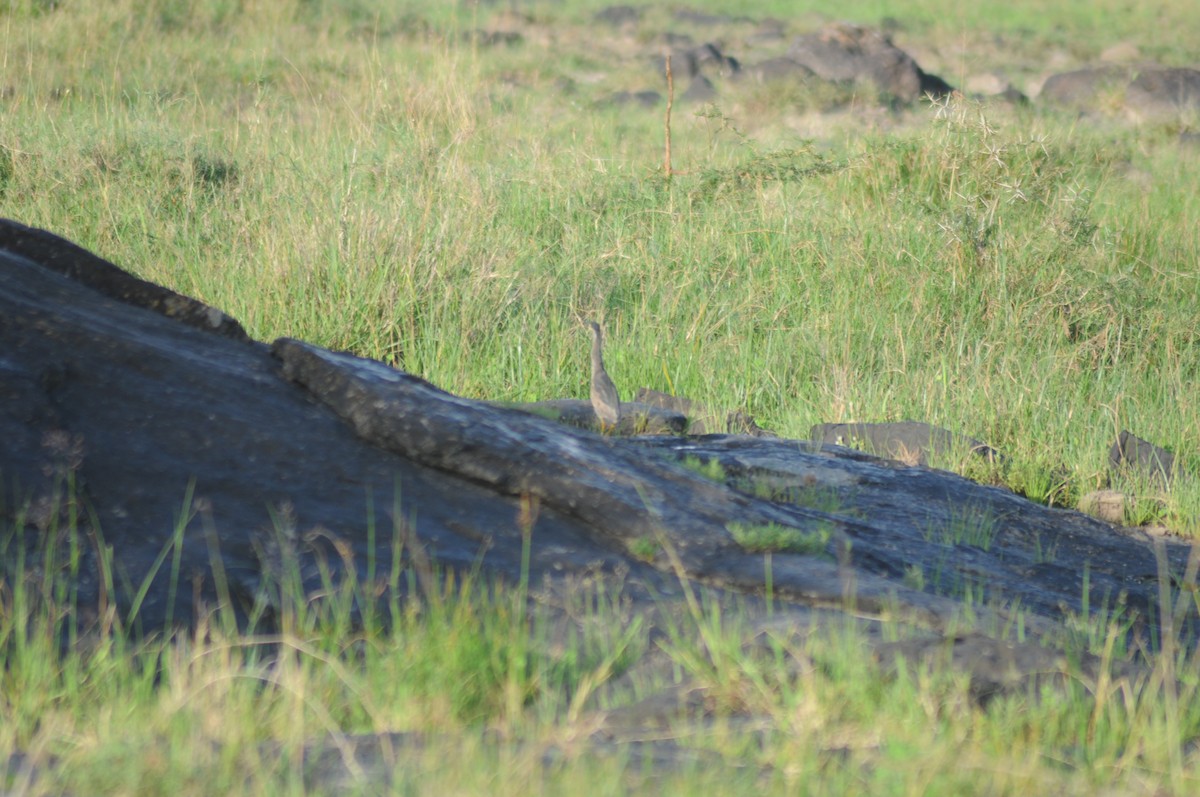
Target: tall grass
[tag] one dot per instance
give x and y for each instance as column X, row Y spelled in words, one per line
column 470, row 684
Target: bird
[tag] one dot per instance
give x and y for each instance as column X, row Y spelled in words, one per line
column 605, row 401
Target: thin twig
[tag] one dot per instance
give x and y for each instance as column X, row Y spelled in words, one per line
column 667, row 170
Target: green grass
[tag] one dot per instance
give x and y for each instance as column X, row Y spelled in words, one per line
column 493, row 683
column 645, row 548
column 709, row 469
column 966, row 525
column 774, row 538
column 360, row 176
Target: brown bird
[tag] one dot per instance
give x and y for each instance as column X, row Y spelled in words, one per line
column 605, row 400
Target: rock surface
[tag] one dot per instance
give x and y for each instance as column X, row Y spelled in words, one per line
column 180, row 434
column 1081, row 88
column 141, row 404
column 907, row 441
column 1159, row 92
column 843, row 52
column 1131, row 454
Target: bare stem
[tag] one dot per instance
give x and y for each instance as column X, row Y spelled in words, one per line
column 667, row 170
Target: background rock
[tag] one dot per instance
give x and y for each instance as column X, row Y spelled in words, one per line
column 845, row 52
column 1161, row 92
column 1132, row 454
column 906, row 441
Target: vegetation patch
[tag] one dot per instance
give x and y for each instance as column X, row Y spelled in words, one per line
column 966, row 526
column 708, row 468
column 774, row 538
column 644, row 548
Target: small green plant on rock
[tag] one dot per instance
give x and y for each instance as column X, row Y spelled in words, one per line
column 774, row 538
column 968, row 525
column 644, row 548
column 914, row 577
column 708, row 468
column 820, row 497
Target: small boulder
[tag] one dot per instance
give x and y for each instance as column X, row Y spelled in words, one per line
column 1121, row 53
column 1132, row 454
column 1106, row 505
column 844, row 52
column 987, row 83
column 910, row 442
column 618, row 16
column 1081, row 88
column 1163, row 92
column 700, row 420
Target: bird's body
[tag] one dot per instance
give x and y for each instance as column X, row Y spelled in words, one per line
column 605, row 401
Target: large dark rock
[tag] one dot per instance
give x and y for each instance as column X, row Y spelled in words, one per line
column 1162, row 92
column 1147, row 92
column 844, row 52
column 772, row 70
column 240, row 460
column 1131, row 454
column 1082, row 89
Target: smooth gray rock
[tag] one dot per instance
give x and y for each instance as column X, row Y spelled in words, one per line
column 907, row 441
column 844, row 52
column 244, row 458
column 1163, row 92
column 181, row 436
column 1082, row 88
column 1132, row 454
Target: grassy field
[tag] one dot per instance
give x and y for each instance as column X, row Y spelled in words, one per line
column 370, row 177
column 475, row 692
